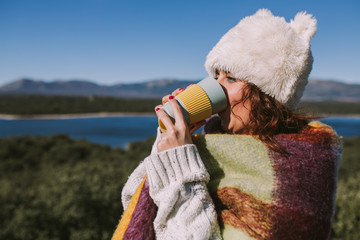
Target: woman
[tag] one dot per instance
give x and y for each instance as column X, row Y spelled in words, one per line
column 261, row 171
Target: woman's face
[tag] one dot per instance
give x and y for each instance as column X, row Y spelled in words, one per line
column 236, row 115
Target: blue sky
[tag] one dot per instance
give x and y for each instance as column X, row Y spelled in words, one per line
column 108, row 41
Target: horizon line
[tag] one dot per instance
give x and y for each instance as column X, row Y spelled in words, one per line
column 149, row 80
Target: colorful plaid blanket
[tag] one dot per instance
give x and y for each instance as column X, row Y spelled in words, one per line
column 259, row 193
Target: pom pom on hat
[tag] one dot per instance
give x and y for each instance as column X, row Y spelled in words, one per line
column 269, row 52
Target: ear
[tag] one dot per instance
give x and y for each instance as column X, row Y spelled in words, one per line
column 304, row 25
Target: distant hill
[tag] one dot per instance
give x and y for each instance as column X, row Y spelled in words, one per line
column 150, row 89
column 316, row 90
column 325, row 90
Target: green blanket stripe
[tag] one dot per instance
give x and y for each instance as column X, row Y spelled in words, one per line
column 219, row 156
column 228, row 232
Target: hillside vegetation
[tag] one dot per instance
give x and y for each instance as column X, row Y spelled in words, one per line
column 57, row 188
column 330, row 108
column 30, row 105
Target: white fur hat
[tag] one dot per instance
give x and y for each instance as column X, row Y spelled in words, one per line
column 268, row 52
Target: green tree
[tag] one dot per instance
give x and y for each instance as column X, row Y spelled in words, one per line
column 346, row 223
column 59, row 188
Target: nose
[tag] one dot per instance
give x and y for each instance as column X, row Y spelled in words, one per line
column 219, row 80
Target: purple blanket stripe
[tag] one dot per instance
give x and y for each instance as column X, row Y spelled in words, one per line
column 141, row 224
column 294, row 196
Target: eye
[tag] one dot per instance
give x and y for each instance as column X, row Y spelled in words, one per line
column 231, row 79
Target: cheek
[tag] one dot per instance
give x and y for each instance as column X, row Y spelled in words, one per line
column 240, row 115
column 234, row 95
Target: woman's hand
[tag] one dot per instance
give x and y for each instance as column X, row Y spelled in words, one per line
column 178, row 133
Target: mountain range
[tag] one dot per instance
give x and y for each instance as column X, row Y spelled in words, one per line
column 316, row 90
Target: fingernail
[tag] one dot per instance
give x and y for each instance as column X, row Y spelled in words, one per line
column 171, row 97
column 181, row 89
column 157, row 109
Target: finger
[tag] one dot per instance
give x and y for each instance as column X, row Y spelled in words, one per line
column 196, row 126
column 177, row 91
column 165, row 99
column 189, row 85
column 165, row 119
column 178, row 115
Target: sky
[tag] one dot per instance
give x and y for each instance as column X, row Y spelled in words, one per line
column 127, row 41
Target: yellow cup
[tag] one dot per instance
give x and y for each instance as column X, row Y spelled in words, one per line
column 198, row 102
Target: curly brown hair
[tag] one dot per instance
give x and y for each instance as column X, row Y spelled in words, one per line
column 269, row 117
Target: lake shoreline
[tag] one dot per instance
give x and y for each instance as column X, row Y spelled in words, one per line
column 73, row 115
column 119, row 129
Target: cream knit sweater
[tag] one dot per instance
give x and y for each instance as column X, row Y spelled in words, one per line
column 177, row 179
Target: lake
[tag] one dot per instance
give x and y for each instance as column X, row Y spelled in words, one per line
column 118, row 131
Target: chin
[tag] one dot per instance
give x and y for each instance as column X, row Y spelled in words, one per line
column 231, row 129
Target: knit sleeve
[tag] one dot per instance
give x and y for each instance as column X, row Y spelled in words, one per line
column 177, row 179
